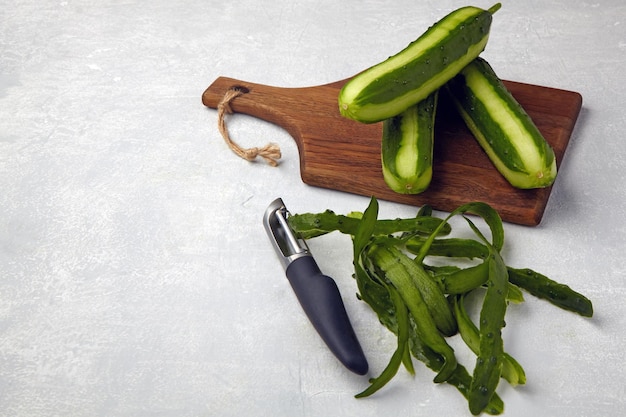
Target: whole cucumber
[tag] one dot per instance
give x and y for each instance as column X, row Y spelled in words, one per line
column 502, row 127
column 405, row 79
column 407, row 147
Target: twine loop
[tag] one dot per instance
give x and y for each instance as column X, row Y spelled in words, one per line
column 270, row 152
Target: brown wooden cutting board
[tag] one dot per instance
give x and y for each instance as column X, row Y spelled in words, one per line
column 341, row 154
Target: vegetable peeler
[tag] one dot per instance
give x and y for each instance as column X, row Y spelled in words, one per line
column 317, row 293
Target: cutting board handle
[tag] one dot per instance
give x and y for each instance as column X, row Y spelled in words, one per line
column 285, row 107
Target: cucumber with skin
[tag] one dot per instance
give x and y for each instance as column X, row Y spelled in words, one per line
column 403, row 80
column 407, row 147
column 502, row 127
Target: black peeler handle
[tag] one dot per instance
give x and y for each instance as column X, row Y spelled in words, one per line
column 320, row 299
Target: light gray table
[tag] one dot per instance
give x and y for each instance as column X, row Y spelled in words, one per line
column 135, row 276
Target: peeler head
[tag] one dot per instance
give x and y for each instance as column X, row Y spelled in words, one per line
column 287, row 244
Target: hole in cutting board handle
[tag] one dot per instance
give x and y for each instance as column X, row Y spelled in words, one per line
column 241, row 88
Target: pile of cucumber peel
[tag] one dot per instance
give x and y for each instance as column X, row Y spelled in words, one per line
column 416, row 276
column 402, row 92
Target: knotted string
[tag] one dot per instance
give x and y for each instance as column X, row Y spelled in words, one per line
column 270, row 152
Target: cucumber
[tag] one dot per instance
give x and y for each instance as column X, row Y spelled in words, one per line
column 405, row 79
column 502, row 127
column 407, row 147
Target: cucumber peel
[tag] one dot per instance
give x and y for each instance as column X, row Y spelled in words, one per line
column 393, row 284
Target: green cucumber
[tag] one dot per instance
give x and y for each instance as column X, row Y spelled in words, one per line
column 502, row 127
column 405, row 79
column 407, row 147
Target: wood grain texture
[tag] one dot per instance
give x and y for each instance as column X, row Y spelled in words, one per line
column 341, row 154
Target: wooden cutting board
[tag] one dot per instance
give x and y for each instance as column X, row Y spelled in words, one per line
column 341, row 154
